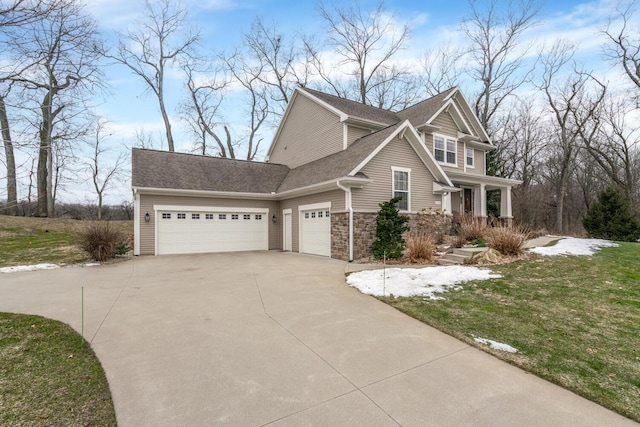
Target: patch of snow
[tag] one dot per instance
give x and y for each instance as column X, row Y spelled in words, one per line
column 91, row 264
column 407, row 282
column 574, row 246
column 496, row 345
column 33, row 267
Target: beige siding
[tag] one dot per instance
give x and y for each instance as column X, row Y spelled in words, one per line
column 478, row 162
column 400, row 154
column 456, row 203
column 354, row 133
column 310, row 132
column 448, row 128
column 336, row 197
column 147, row 230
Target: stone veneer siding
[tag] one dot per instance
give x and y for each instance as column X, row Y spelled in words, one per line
column 364, row 233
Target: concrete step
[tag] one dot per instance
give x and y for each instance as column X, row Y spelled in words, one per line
column 455, row 258
column 444, row 261
column 468, row 252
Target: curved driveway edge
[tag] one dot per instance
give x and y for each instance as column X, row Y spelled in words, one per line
column 279, row 339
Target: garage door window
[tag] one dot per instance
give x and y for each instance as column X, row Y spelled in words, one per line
column 246, row 216
column 234, row 216
column 195, row 216
column 208, row 216
column 166, row 215
column 326, row 214
column 222, row 216
column 258, row 217
column 182, row 216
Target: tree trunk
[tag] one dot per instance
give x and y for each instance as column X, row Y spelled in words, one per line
column 12, row 192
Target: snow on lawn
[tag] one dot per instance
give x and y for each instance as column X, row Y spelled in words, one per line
column 407, row 282
column 574, row 246
column 28, row 268
column 497, row 345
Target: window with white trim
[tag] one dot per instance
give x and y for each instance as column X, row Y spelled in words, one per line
column 444, row 149
column 469, row 157
column 401, row 187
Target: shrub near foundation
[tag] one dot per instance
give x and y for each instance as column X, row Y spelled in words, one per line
column 506, row 240
column 102, row 241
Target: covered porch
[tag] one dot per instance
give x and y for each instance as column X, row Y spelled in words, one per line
column 472, row 195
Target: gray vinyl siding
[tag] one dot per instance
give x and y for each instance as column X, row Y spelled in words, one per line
column 448, row 128
column 354, row 133
column 309, row 133
column 400, row 154
column 147, row 230
column 456, row 202
column 336, row 197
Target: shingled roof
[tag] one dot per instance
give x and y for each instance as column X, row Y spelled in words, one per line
column 162, row 169
column 336, row 165
column 419, row 113
column 356, row 109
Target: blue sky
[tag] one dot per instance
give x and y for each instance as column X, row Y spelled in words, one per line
column 129, row 109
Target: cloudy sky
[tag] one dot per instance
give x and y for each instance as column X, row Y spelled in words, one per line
column 128, row 108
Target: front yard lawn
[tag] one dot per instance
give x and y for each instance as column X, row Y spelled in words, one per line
column 48, row 377
column 575, row 320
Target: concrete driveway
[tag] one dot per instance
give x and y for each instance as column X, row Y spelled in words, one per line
column 278, row 339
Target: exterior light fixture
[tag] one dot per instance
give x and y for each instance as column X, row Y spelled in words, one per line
column 147, row 218
column 273, row 218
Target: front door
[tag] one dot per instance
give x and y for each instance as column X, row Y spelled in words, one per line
column 468, row 201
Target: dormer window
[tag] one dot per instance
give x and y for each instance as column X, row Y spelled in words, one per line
column 444, row 149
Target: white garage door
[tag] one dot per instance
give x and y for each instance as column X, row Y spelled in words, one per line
column 202, row 231
column 315, row 231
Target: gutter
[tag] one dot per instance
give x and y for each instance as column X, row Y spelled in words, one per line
column 349, row 207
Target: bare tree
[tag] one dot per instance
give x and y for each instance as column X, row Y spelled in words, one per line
column 162, row 37
column 613, row 142
column 61, row 56
column 366, row 44
column 573, row 102
column 102, row 175
column 495, row 54
column 624, row 43
column 11, row 207
column 441, row 69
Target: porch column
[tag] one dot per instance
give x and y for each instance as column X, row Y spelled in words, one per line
column 446, row 203
column 505, row 205
column 482, row 196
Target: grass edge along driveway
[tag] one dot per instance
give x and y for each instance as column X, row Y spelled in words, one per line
column 48, row 376
column 575, row 320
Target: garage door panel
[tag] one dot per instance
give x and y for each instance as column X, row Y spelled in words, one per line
column 204, row 232
column 315, row 233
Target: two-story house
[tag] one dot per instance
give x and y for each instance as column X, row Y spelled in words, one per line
column 331, row 163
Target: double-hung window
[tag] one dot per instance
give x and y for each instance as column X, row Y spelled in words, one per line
column 444, row 149
column 469, row 157
column 401, row 185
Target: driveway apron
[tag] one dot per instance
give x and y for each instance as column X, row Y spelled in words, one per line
column 279, row 339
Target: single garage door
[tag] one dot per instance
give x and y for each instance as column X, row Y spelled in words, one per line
column 315, row 231
column 182, row 231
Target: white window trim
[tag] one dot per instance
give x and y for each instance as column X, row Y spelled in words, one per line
column 473, row 158
column 455, row 152
column 393, row 185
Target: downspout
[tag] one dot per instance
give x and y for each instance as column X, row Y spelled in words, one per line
column 347, row 192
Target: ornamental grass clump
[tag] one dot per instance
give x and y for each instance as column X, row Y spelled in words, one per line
column 420, row 246
column 101, row 240
column 509, row 241
column 471, row 228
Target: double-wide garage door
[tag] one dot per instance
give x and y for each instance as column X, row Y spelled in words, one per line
column 187, row 231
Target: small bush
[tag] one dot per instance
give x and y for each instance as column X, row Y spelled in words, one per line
column 471, row 228
column 506, row 240
column 390, row 226
column 420, row 246
column 101, row 240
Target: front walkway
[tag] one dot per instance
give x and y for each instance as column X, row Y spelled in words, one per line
column 278, row 339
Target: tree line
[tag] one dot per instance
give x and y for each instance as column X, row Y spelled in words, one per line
column 562, row 129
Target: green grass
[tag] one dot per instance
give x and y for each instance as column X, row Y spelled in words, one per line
column 25, row 241
column 574, row 320
column 48, row 377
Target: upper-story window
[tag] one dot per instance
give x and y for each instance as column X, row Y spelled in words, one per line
column 444, row 149
column 401, row 185
column 469, row 157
